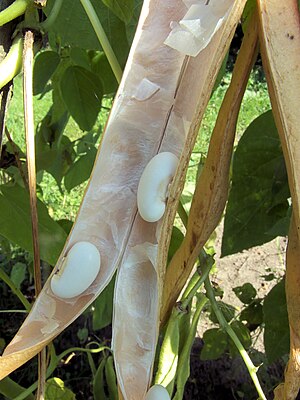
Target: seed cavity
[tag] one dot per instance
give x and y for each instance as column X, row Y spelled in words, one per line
column 154, row 184
column 77, row 271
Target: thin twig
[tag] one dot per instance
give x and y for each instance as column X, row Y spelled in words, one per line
column 30, row 147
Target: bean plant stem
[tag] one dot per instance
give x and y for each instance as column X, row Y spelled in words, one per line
column 15, row 290
column 112, row 59
column 224, row 324
column 30, row 147
column 45, row 25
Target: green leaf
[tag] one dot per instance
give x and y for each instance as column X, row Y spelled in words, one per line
column 276, row 334
column 81, row 170
column 131, row 26
column 57, row 159
column 82, row 334
column 45, row 64
column 56, row 390
column 245, row 293
column 82, row 93
column 2, row 344
column 100, row 66
column 80, row 57
column 257, row 199
column 88, row 141
column 18, row 274
column 98, row 383
column 215, row 344
column 227, row 310
column 281, row 227
column 58, row 105
column 121, row 8
column 15, row 223
column 176, row 240
column 74, row 29
column 66, row 224
column 253, row 314
column 247, row 13
column 102, row 315
column 51, row 146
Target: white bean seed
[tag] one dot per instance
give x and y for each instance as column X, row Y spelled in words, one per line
column 77, row 272
column 153, row 186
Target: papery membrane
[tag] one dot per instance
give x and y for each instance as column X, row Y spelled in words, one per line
column 202, row 20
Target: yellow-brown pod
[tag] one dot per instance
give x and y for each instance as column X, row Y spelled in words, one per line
column 212, row 187
column 291, row 386
column 279, row 32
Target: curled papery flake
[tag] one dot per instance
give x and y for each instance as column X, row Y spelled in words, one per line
column 197, row 28
column 146, row 90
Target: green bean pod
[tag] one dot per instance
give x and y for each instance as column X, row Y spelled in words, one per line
column 12, row 63
column 17, row 8
column 168, row 358
column 184, row 357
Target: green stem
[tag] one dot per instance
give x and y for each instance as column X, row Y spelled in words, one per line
column 54, row 361
column 15, row 290
column 17, row 8
column 112, row 59
column 224, row 324
column 45, row 25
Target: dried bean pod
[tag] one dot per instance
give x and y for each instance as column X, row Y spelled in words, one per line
column 290, row 389
column 108, row 210
column 138, row 292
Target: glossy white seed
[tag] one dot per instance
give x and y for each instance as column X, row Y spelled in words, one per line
column 157, row 392
column 77, row 272
column 153, row 186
